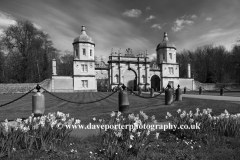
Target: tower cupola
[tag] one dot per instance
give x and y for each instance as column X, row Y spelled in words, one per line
column 83, row 37
column 165, row 43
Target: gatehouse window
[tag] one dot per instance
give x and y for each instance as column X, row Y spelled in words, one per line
column 84, row 68
column 170, row 55
column 170, row 70
column 84, row 83
column 76, row 53
column 84, row 51
column 116, row 78
column 90, row 52
column 163, row 56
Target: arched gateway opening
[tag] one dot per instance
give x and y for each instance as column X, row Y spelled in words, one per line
column 155, row 83
column 130, row 79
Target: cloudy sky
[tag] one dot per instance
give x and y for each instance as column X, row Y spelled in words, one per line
column 136, row 24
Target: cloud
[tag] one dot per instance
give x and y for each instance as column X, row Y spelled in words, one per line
column 149, row 18
column 156, row 26
column 214, row 33
column 152, row 56
column 179, row 24
column 209, row 19
column 37, row 26
column 194, row 16
column 6, row 20
column 148, row 8
column 134, row 13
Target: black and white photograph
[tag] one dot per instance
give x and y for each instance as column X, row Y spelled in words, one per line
column 120, row 79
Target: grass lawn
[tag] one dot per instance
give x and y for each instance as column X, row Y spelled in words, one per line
column 85, row 112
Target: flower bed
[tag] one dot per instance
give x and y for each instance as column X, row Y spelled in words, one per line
column 50, row 134
column 41, row 133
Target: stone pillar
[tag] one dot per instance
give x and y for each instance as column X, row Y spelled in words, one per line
column 111, row 76
column 189, row 71
column 54, row 67
column 123, row 103
column 38, row 103
column 139, row 76
column 119, row 68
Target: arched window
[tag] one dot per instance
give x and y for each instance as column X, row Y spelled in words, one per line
column 143, row 79
column 116, row 78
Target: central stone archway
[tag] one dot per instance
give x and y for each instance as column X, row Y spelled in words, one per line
column 140, row 65
column 130, row 79
column 155, row 83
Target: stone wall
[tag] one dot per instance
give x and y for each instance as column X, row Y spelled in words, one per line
column 187, row 82
column 10, row 88
column 214, row 86
column 62, row 84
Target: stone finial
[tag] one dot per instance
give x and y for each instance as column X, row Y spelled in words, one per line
column 38, row 88
column 165, row 37
column 83, row 30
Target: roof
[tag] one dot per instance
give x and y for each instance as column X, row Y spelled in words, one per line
column 83, row 37
column 165, row 43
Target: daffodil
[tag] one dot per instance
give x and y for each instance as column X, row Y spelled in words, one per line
column 148, row 132
column 157, row 135
column 179, row 111
column 112, row 114
column 77, row 121
column 139, row 134
column 169, row 114
column 131, row 137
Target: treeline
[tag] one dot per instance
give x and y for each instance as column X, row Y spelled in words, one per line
column 211, row 64
column 26, row 55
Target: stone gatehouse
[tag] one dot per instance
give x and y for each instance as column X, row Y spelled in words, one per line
column 91, row 75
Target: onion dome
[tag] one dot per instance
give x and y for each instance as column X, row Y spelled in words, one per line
column 165, row 43
column 83, row 37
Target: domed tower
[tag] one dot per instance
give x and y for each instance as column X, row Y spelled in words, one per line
column 83, row 63
column 166, row 59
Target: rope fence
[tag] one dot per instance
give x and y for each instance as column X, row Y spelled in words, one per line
column 117, row 89
column 17, row 98
column 80, row 102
